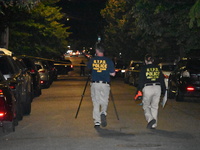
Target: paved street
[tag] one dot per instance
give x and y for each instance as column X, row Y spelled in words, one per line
column 52, row 124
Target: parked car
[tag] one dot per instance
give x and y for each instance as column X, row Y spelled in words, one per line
column 63, row 67
column 120, row 67
column 167, row 68
column 8, row 111
column 27, row 87
column 5, row 51
column 44, row 72
column 132, row 72
column 53, row 69
column 184, row 81
column 13, row 74
column 32, row 70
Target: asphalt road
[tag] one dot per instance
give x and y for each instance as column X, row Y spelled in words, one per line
column 52, row 124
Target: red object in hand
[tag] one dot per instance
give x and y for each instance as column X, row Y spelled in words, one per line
column 138, row 96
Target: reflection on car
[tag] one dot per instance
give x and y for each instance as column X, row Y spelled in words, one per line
column 120, row 67
column 167, row 68
column 14, row 75
column 184, row 81
column 132, row 72
column 8, row 111
column 63, row 67
column 32, row 70
column 44, row 72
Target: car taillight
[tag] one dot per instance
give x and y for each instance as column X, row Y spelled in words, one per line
column 53, row 69
column 71, row 66
column 2, row 114
column 32, row 71
column 1, row 93
column 2, row 107
column 12, row 87
column 41, row 82
column 190, row 88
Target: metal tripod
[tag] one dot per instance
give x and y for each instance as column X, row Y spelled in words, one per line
column 82, row 96
column 111, row 97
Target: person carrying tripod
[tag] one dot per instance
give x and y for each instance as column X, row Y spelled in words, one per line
column 101, row 69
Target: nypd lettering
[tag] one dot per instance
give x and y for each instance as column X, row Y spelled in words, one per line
column 99, row 65
column 152, row 74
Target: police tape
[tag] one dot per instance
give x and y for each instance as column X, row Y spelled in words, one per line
column 63, row 63
column 126, row 70
column 56, row 62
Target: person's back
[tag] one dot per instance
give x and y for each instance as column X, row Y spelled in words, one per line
column 101, row 68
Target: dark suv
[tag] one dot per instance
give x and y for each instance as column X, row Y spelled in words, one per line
column 32, row 69
column 132, row 72
column 184, row 81
column 14, row 76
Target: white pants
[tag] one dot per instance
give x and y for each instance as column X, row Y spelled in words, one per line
column 100, row 95
column 151, row 98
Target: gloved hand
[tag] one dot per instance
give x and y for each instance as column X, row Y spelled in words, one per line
column 138, row 95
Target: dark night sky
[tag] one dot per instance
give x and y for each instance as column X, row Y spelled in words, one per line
column 85, row 19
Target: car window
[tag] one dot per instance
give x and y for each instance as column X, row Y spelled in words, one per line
column 193, row 64
column 45, row 65
column 168, row 67
column 5, row 67
column 38, row 66
column 1, row 77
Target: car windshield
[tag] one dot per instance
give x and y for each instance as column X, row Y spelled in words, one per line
column 1, row 77
column 168, row 67
column 5, row 67
column 194, row 64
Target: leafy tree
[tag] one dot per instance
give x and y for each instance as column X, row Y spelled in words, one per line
column 158, row 27
column 40, row 33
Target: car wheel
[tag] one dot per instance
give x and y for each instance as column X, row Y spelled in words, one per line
column 8, row 126
column 179, row 96
column 131, row 80
column 19, row 111
column 170, row 94
column 126, row 79
column 27, row 105
column 38, row 92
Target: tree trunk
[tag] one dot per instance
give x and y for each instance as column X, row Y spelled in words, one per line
column 4, row 38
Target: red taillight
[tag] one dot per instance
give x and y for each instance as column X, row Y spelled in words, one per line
column 71, row 66
column 2, row 114
column 12, row 87
column 1, row 92
column 116, row 70
column 53, row 69
column 190, row 88
column 42, row 82
column 2, row 107
column 32, row 71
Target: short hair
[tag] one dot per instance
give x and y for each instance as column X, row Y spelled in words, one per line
column 100, row 48
column 149, row 58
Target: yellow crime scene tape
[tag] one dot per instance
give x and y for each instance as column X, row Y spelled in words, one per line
column 63, row 63
column 56, row 62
